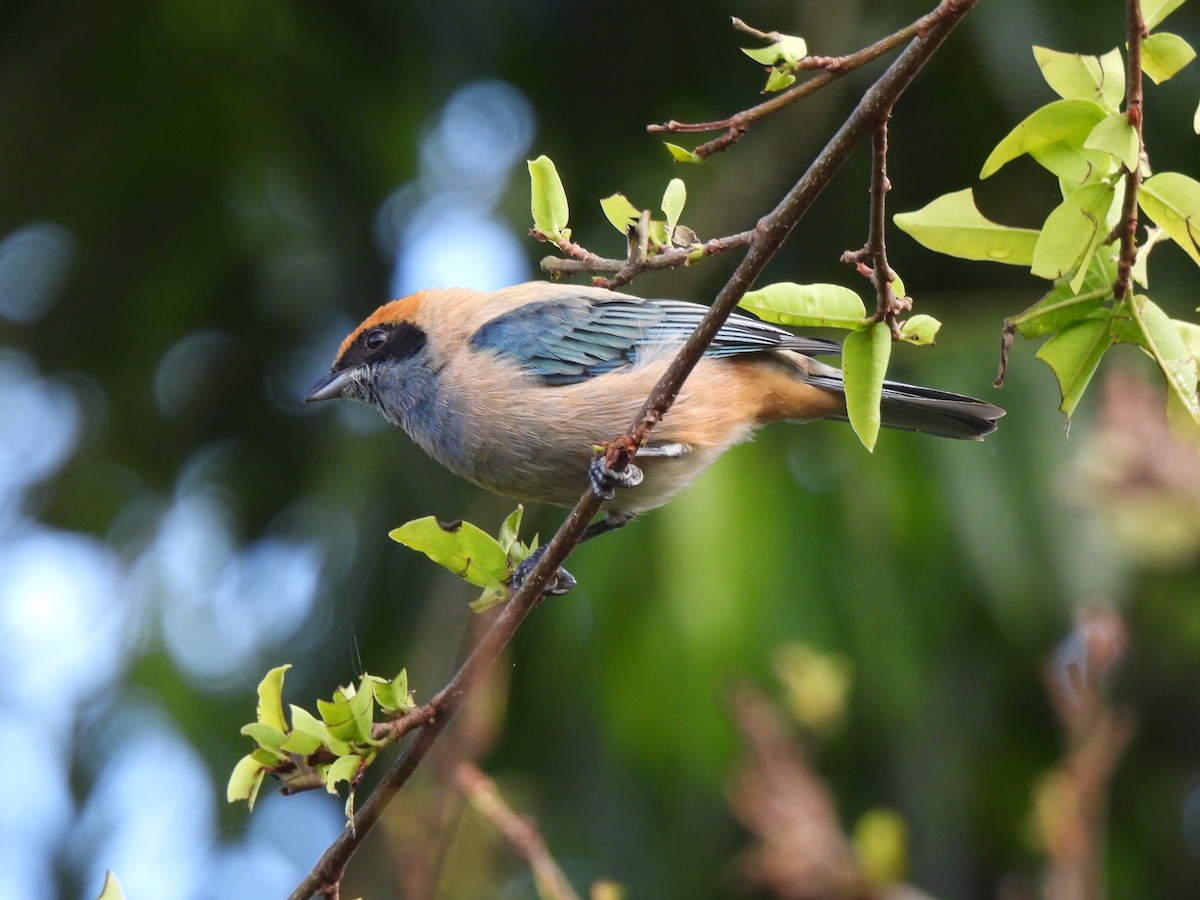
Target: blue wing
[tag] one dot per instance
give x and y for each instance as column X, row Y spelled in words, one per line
column 574, row 337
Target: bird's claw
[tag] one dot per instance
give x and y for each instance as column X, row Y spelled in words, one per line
column 605, row 481
column 562, row 582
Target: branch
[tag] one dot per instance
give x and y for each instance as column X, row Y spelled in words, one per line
column 770, row 234
column 520, row 832
column 1127, row 228
column 835, row 67
column 580, row 261
column 871, row 261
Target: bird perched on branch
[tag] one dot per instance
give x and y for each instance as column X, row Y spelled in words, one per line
column 513, row 389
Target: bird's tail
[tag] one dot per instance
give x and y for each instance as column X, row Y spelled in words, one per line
column 930, row 411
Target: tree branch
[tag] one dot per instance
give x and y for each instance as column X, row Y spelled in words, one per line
column 871, row 261
column 518, row 831
column 834, row 67
column 770, row 234
column 1127, row 228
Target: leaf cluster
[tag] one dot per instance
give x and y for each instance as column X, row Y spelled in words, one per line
column 337, row 745
column 1094, row 149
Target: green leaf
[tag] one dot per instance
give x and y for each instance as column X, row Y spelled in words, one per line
column 510, row 530
column 341, row 769
column 270, row 698
column 1072, row 164
column 111, row 890
column 766, row 56
column 245, row 781
column 865, row 355
column 806, row 305
column 1173, row 202
column 618, row 210
column 674, row 198
column 1165, row 54
column 920, row 329
column 1072, row 230
column 953, row 225
column 461, row 547
column 266, row 736
column 1196, row 120
column 1063, row 305
column 491, row 596
column 1076, row 77
column 549, row 200
column 1162, row 337
column 788, row 49
column 1154, row 11
column 393, row 695
column 778, row 79
column 792, row 48
column 309, row 733
column 348, row 715
column 1073, row 354
column 1114, row 135
column 1066, row 122
column 682, row 154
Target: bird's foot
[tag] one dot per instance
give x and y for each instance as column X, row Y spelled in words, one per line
column 562, row 582
column 605, row 481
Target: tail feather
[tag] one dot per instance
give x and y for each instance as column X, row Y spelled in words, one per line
column 913, row 408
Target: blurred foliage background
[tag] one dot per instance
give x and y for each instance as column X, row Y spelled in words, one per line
column 198, row 200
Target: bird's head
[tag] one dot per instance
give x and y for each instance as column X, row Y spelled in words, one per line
column 382, row 362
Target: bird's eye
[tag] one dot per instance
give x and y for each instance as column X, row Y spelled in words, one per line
column 375, row 338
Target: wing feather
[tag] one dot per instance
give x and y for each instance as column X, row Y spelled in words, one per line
column 578, row 336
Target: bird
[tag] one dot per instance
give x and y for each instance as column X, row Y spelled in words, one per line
column 514, row 389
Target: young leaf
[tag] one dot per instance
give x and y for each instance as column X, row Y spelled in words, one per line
column 491, row 596
column 245, row 780
column 1071, row 231
column 865, row 356
column 953, row 225
column 1166, row 344
column 307, row 729
column 461, row 547
column 919, row 329
column 806, row 305
column 1154, row 11
column 341, row 769
column 348, row 717
column 765, row 56
column 270, row 702
column 549, row 200
column 268, row 737
column 1173, row 202
column 792, row 48
column 1063, row 121
column 1073, row 354
column 1116, row 136
column 618, row 210
column 111, row 890
column 674, row 198
column 778, row 79
column 1164, row 54
column 510, row 530
column 1062, row 306
column 1076, row 77
column 682, row 154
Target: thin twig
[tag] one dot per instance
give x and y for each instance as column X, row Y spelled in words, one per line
column 871, row 261
column 1127, row 228
column 580, row 261
column 519, row 832
column 834, row 67
column 769, row 236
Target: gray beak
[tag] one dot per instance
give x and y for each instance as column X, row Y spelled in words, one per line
column 331, row 386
